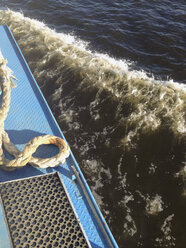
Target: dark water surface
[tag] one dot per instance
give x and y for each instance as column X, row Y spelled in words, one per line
column 113, row 73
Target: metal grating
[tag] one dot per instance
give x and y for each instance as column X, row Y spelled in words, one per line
column 39, row 213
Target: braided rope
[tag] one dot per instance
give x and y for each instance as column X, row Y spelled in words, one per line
column 24, row 157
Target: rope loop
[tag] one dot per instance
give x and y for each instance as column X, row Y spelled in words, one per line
column 24, row 157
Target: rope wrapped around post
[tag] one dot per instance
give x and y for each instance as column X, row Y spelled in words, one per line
column 24, row 157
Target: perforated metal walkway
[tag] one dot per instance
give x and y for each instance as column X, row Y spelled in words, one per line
column 39, row 213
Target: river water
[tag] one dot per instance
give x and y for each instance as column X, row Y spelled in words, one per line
column 113, row 73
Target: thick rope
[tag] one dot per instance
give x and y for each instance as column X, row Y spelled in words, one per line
column 24, row 157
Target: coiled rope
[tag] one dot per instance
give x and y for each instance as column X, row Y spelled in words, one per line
column 24, row 157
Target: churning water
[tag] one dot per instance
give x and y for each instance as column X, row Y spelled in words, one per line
column 105, row 71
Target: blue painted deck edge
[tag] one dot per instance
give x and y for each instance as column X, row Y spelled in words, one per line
column 10, row 35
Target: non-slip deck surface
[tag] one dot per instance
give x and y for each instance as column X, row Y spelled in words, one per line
column 29, row 116
column 39, row 214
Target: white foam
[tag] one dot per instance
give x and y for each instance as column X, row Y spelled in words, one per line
column 152, row 168
column 167, row 240
column 154, row 205
column 155, row 102
column 129, row 224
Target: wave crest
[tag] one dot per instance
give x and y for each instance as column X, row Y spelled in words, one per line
column 153, row 103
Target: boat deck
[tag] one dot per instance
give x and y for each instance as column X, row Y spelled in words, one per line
column 30, row 116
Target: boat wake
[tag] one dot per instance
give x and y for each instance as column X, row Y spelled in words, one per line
column 151, row 103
